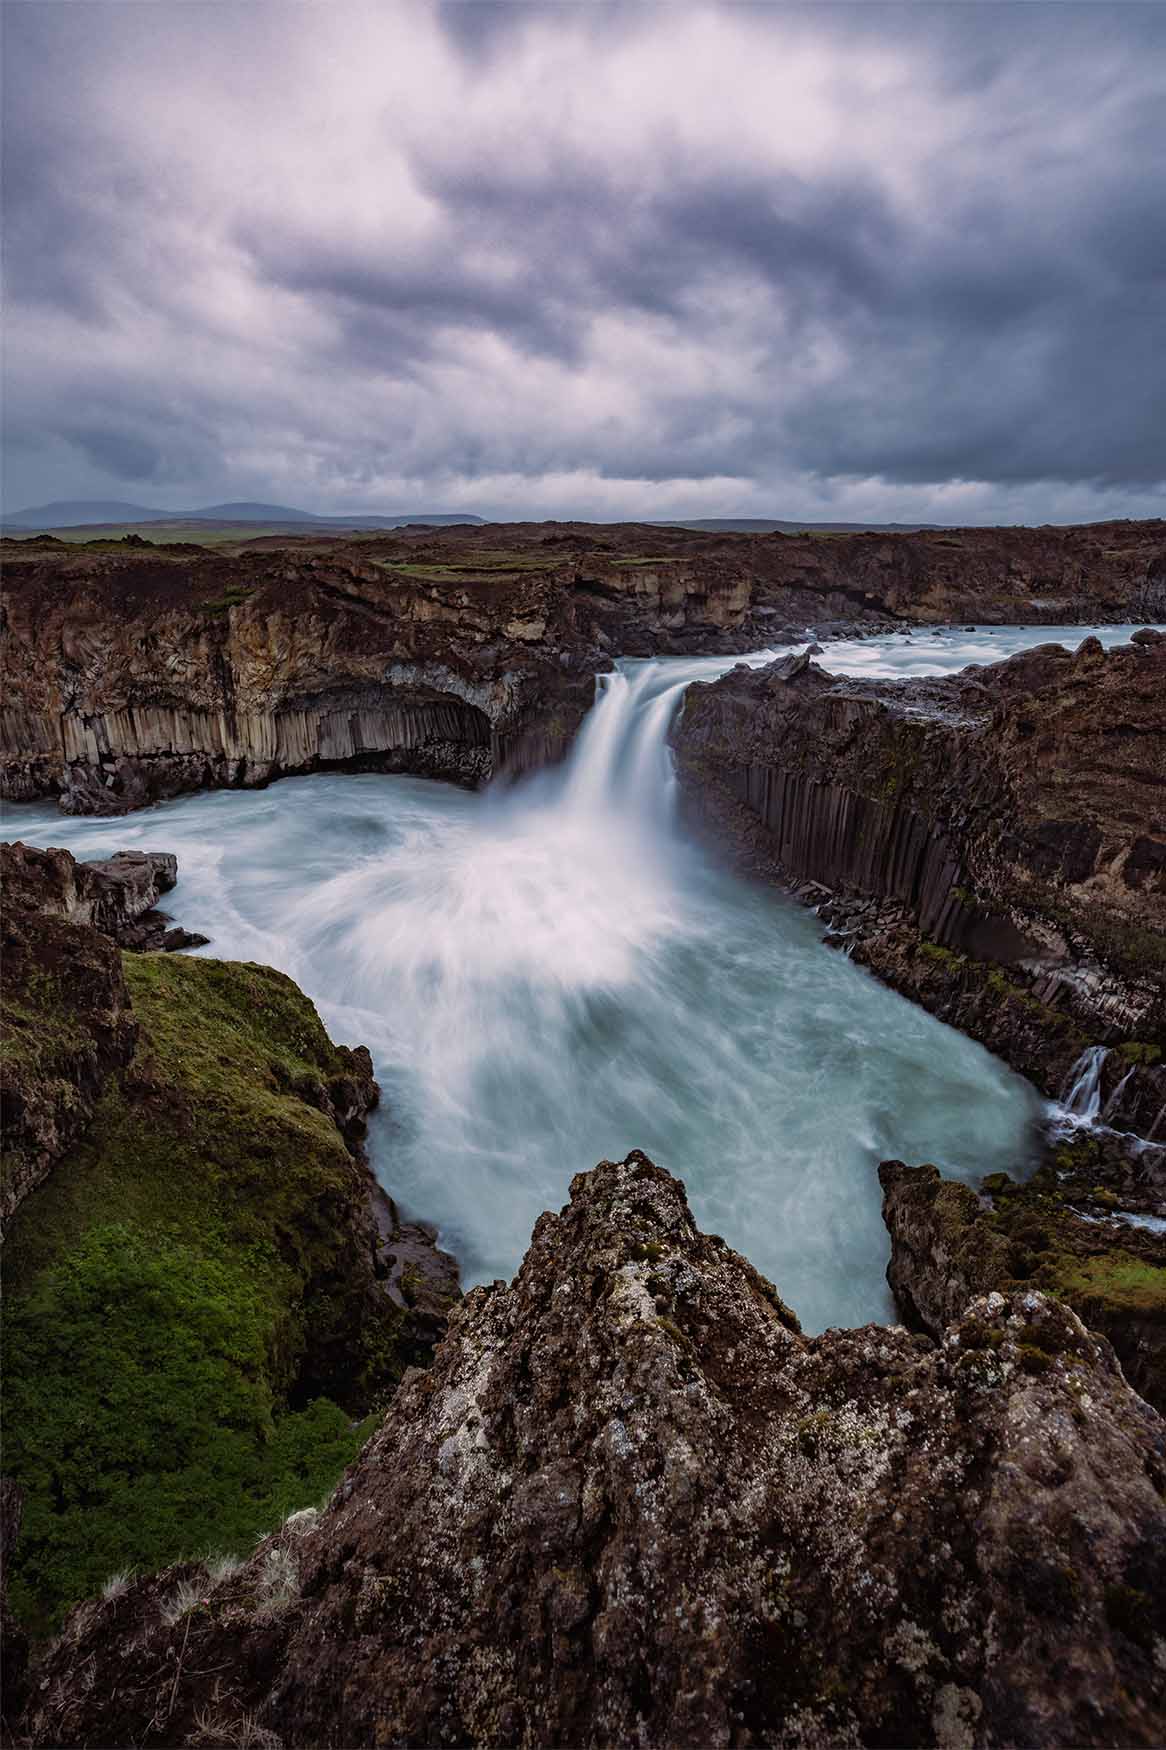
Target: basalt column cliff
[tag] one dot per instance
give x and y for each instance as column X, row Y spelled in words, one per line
column 135, row 672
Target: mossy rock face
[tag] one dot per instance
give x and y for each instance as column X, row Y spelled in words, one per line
column 193, row 1318
column 948, row 1245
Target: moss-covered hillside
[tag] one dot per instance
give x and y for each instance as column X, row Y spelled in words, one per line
column 193, row 1324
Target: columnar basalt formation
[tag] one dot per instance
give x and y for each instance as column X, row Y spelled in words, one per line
column 631, row 1503
column 135, row 675
column 136, row 671
column 992, row 843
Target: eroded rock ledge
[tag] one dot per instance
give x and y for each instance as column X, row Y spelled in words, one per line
column 630, row 1503
column 992, row 843
column 138, row 671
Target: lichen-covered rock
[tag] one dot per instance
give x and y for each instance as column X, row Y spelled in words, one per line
column 632, row 1504
column 999, row 834
column 1056, row 1233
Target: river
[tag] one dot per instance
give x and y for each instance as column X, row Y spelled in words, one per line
column 553, row 974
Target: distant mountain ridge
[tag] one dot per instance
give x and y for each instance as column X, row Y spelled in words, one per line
column 71, row 513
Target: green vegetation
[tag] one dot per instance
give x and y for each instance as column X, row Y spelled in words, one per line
column 161, row 534
column 941, row 956
column 480, row 570
column 1135, row 1052
column 1116, row 1278
column 172, row 1286
column 233, row 597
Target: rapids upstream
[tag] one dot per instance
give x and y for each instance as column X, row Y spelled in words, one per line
column 553, row 974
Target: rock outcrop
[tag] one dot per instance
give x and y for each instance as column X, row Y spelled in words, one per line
column 630, row 1503
column 66, row 1015
column 197, row 1297
column 1057, row 1233
column 135, row 674
column 992, row 843
column 138, row 671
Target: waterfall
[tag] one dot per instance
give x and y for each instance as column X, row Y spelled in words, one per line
column 1082, row 1099
column 551, row 972
column 620, row 764
column 1113, row 1104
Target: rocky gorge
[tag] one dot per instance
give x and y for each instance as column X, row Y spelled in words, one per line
column 136, row 671
column 993, row 842
column 623, row 1499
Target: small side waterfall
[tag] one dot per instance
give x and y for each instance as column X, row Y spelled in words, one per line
column 1113, row 1104
column 1082, row 1097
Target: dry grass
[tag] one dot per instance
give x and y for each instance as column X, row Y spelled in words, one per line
column 213, row 1731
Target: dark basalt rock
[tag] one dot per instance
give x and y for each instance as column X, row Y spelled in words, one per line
column 991, row 843
column 630, row 1503
column 138, row 671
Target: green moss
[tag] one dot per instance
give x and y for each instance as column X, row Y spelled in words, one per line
column 170, row 1286
column 1135, row 1052
column 1034, row 1359
column 941, row 956
column 651, row 1250
column 232, row 597
column 1115, row 1277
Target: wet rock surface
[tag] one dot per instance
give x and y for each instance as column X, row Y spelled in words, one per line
column 631, row 1503
column 991, row 843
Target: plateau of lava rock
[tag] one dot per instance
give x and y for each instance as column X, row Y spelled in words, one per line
column 136, row 671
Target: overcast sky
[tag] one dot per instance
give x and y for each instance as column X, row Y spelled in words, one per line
column 903, row 263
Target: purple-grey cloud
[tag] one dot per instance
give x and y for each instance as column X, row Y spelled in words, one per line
column 591, row 260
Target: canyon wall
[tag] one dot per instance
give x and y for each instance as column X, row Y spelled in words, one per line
column 992, row 843
column 631, row 1503
column 135, row 672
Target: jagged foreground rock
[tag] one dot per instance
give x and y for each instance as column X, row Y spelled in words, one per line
column 631, row 1504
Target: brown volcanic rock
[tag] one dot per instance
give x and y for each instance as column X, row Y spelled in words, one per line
column 630, row 1503
column 1009, row 821
column 138, row 671
column 139, row 674
column 949, row 1244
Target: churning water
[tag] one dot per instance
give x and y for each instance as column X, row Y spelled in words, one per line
column 553, row 974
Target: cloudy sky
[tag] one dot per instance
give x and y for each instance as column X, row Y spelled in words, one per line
column 587, row 259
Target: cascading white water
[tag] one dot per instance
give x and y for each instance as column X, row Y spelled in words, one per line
column 552, row 974
column 1082, row 1097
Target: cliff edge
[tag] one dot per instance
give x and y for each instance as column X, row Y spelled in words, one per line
column 631, row 1503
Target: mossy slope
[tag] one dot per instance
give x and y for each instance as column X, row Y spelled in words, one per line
column 193, row 1289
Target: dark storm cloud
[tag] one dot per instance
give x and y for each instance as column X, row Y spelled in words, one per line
column 854, row 256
